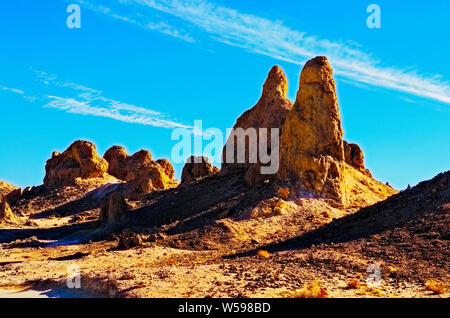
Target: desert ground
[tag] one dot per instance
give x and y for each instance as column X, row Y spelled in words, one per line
column 321, row 227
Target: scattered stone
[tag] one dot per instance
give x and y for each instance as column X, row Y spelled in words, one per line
column 129, row 240
column 30, row 223
column 268, row 208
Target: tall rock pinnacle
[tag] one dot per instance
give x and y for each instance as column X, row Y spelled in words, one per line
column 311, row 146
column 269, row 112
column 275, row 84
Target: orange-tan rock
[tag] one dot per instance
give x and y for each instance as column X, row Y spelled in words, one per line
column 355, row 157
column 197, row 167
column 6, row 215
column 142, row 173
column 80, row 160
column 5, row 188
column 269, row 112
column 311, row 146
column 116, row 157
column 314, row 158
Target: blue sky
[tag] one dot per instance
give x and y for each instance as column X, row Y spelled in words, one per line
column 137, row 69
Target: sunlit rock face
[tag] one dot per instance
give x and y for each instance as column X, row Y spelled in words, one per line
column 311, row 147
column 140, row 171
column 80, row 160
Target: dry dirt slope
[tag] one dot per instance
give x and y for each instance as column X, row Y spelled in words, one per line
column 408, row 232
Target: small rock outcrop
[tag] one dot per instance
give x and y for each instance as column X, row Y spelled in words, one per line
column 311, row 146
column 114, row 208
column 5, row 188
column 197, row 167
column 6, row 215
column 116, row 157
column 269, row 112
column 355, row 157
column 14, row 196
column 80, row 160
column 142, row 173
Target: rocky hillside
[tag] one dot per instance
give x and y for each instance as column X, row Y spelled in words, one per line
column 5, row 188
column 138, row 232
column 314, row 159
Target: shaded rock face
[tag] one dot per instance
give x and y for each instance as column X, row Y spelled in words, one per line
column 197, row 167
column 311, row 146
column 269, row 112
column 142, row 173
column 354, row 157
column 80, row 160
column 5, row 188
column 114, row 208
column 116, row 157
column 167, row 167
column 14, row 196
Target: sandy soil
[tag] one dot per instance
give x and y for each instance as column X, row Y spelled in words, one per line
column 209, row 253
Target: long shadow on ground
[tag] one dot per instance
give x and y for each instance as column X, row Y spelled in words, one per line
column 418, row 216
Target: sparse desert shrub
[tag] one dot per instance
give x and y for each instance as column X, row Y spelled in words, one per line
column 313, row 290
column 171, row 261
column 365, row 290
column 436, row 287
column 352, row 284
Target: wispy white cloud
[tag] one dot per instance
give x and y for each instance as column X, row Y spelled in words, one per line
column 159, row 26
column 115, row 110
column 79, row 99
column 11, row 89
column 272, row 38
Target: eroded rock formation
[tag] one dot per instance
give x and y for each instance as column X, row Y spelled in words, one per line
column 80, row 160
column 114, row 208
column 117, row 156
column 314, row 160
column 311, row 146
column 355, row 157
column 6, row 215
column 197, row 167
column 14, row 196
column 5, row 188
column 269, row 112
column 142, row 173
